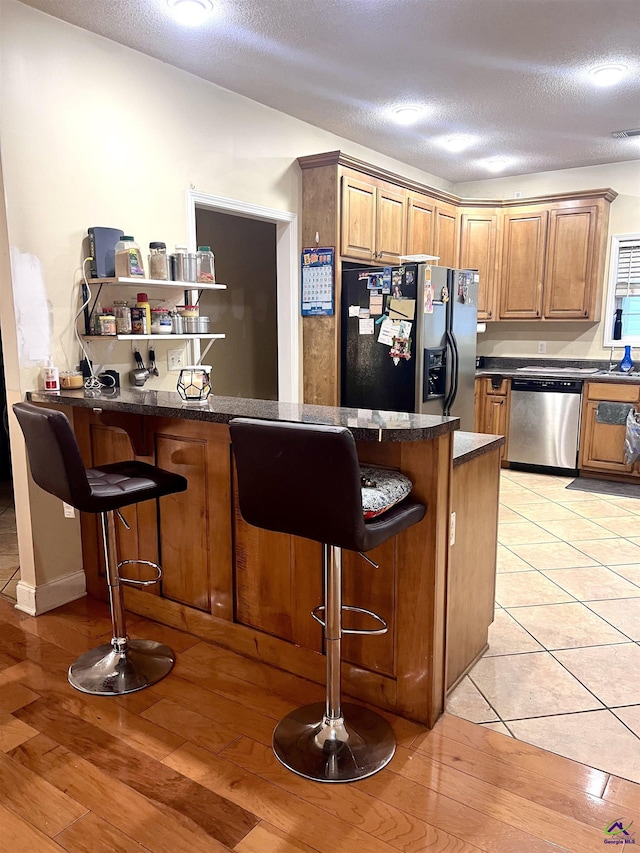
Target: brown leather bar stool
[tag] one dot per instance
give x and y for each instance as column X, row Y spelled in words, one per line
column 304, row 480
column 124, row 665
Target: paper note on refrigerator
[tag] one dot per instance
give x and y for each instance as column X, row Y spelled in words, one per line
column 366, row 326
column 402, row 309
column 354, row 310
column 375, row 304
column 388, row 331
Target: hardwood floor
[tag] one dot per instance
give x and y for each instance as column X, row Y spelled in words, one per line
column 186, row 765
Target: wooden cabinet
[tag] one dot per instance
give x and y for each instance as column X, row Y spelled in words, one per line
column 602, row 444
column 373, row 221
column 571, row 279
column 492, row 408
column 523, row 259
column 478, row 250
column 421, row 219
column 553, row 261
column 446, row 235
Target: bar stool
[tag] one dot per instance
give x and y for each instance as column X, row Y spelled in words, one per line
column 123, row 665
column 304, row 480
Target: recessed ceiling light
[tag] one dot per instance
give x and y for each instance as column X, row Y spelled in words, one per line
column 191, row 13
column 407, row 113
column 607, row 75
column 497, row 164
column 458, row 142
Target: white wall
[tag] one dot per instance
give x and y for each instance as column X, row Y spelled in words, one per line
column 564, row 340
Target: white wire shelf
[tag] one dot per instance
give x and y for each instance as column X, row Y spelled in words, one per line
column 154, row 282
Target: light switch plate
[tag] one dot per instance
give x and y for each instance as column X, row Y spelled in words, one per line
column 452, row 529
column 175, row 359
column 69, row 511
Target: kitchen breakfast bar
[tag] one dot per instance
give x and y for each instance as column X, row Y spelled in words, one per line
column 252, row 590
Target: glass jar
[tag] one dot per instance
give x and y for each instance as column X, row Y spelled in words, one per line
column 188, row 311
column 158, row 262
column 205, row 265
column 160, row 321
column 71, row 379
column 122, row 313
column 107, row 324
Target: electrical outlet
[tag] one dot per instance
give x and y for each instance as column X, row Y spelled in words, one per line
column 452, row 529
column 69, row 511
column 542, row 346
column 517, row 194
column 175, row 359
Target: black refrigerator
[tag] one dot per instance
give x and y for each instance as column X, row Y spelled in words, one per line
column 408, row 339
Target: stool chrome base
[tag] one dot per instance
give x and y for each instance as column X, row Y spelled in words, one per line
column 105, row 671
column 353, row 747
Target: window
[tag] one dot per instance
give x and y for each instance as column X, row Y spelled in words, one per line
column 624, row 290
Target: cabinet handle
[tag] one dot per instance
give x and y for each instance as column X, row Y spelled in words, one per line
column 490, row 314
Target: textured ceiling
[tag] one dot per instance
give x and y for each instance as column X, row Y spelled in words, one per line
column 512, row 73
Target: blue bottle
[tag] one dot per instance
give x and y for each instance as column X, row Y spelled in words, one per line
column 626, row 364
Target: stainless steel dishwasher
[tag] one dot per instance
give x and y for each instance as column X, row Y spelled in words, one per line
column 544, row 422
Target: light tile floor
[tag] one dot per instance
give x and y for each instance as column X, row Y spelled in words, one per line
column 9, row 563
column 563, row 666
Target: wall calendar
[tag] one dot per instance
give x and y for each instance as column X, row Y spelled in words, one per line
column 317, row 282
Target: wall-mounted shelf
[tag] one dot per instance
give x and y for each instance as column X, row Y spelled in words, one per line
column 154, row 282
column 195, row 336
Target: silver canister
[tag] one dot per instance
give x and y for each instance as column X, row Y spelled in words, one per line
column 177, row 324
column 203, row 325
column 191, row 325
column 183, row 266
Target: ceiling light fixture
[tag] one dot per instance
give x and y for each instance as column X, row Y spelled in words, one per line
column 607, row 75
column 191, row 13
column 458, row 142
column 497, row 164
column 407, row 113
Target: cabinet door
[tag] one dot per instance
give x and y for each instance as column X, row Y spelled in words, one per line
column 390, row 224
column 478, row 238
column 420, row 225
column 523, row 257
column 602, row 445
column 495, row 418
column 446, row 235
column 570, row 281
column 358, row 219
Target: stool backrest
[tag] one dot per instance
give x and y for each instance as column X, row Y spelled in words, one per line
column 54, row 455
column 301, row 479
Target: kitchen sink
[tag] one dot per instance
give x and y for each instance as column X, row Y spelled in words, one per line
column 615, row 374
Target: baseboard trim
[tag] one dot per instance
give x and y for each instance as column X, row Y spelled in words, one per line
column 35, row 600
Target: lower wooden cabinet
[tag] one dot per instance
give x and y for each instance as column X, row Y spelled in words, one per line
column 492, row 408
column 602, row 444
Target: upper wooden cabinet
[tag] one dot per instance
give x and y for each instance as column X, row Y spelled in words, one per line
column 478, row 251
column 373, row 221
column 420, row 224
column 571, row 280
column 523, row 259
column 446, row 234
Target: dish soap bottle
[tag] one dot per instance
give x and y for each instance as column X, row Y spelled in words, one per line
column 626, row 364
column 128, row 259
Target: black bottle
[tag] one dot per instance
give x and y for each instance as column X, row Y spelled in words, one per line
column 617, row 325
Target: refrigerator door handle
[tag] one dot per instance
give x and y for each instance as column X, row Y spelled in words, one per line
column 452, row 358
column 454, row 384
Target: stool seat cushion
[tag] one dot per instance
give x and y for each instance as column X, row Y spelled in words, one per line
column 382, row 488
column 123, row 483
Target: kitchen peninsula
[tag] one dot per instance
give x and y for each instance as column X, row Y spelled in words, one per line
column 252, row 590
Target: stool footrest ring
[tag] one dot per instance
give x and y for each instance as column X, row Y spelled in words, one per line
column 133, row 581
column 383, row 630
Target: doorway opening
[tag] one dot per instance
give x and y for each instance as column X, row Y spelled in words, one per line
column 9, row 558
column 256, row 251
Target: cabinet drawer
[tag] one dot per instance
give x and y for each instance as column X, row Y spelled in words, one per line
column 496, row 386
column 616, row 393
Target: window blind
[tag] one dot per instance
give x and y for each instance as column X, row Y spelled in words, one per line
column 628, row 270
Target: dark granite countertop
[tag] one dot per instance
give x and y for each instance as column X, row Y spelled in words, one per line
column 555, row 369
column 365, row 424
column 470, row 445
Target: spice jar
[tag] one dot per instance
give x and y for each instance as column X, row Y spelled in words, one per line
column 205, row 265
column 107, row 324
column 122, row 313
column 139, row 321
column 160, row 321
column 158, row 262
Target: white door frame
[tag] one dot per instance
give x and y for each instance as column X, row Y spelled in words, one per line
column 289, row 379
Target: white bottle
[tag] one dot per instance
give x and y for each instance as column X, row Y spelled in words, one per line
column 50, row 377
